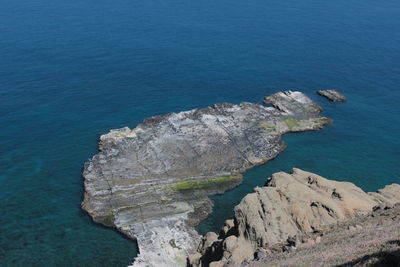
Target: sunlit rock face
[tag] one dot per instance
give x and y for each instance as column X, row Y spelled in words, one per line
column 289, row 205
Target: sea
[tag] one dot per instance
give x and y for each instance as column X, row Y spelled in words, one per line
column 71, row 70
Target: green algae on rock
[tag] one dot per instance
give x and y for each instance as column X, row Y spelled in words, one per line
column 204, row 184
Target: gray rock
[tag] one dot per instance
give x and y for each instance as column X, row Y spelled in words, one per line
column 332, row 95
column 152, row 182
column 293, row 103
column 287, row 248
column 260, row 254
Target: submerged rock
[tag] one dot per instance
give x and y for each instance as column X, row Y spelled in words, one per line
column 290, row 205
column 152, row 182
column 332, row 95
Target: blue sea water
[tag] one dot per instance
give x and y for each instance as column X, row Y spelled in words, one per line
column 71, row 70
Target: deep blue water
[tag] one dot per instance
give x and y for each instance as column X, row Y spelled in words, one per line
column 71, row 70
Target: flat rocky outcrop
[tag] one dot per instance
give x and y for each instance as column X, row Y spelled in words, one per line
column 152, row 182
column 288, row 205
column 332, row 95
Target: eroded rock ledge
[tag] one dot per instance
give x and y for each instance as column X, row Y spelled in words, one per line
column 152, row 182
column 288, row 205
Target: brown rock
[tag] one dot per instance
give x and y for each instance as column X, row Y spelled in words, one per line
column 388, row 196
column 291, row 205
column 302, row 201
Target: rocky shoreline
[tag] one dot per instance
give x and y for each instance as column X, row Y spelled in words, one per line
column 151, row 182
column 289, row 206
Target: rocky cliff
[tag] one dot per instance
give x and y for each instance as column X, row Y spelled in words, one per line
column 152, row 182
column 288, row 205
column 365, row 241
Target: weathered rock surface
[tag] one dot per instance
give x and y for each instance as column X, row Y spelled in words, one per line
column 289, row 205
column 152, row 182
column 388, row 196
column 365, row 241
column 332, row 95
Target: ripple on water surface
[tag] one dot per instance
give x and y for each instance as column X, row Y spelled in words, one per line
column 72, row 70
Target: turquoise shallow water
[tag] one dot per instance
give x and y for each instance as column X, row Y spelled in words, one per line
column 71, row 70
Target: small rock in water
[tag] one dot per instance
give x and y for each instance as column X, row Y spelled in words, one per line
column 332, row 95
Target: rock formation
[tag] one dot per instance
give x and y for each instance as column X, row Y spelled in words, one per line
column 332, row 95
column 365, row 241
column 288, row 205
column 152, row 182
